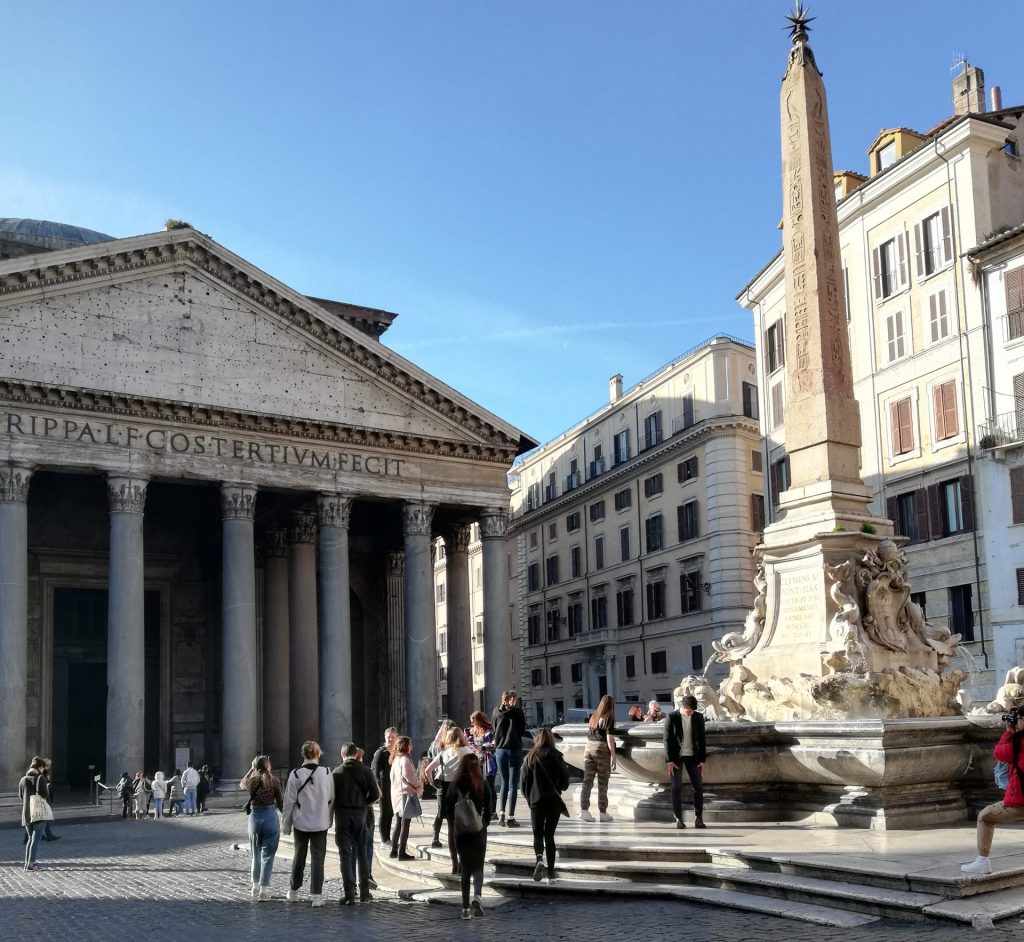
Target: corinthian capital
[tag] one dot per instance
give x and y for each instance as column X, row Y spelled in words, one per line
column 335, row 510
column 456, row 540
column 417, row 518
column 237, row 502
column 127, row 494
column 302, row 527
column 14, row 480
column 493, row 524
column 275, row 542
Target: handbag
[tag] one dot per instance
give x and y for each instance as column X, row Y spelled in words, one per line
column 410, row 807
column 39, row 809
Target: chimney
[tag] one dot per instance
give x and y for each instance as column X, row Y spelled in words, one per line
column 615, row 388
column 969, row 91
column 997, row 98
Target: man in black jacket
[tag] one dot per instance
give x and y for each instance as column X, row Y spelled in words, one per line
column 354, row 789
column 380, row 765
column 686, row 747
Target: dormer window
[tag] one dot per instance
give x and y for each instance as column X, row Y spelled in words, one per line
column 887, row 155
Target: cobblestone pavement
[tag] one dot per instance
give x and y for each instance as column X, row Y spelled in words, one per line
column 107, row 879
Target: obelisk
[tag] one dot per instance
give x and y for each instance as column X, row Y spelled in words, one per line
column 822, row 416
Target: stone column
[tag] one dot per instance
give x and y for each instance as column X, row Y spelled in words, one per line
column 14, row 483
column 420, row 631
column 498, row 659
column 336, row 719
column 240, row 694
column 609, row 671
column 126, row 628
column 275, row 646
column 394, row 656
column 460, row 639
column 304, row 657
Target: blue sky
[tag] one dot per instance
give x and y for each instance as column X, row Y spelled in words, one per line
column 546, row 192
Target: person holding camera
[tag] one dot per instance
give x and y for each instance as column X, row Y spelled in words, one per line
column 1011, row 808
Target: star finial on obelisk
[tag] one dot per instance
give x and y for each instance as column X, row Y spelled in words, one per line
column 798, row 22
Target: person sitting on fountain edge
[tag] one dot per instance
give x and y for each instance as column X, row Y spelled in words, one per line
column 1011, row 808
column 686, row 747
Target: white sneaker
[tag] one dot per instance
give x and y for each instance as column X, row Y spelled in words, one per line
column 606, row 817
column 978, row 865
column 255, row 890
column 550, row 880
column 318, row 899
column 466, row 914
column 293, row 896
column 265, row 896
column 585, row 815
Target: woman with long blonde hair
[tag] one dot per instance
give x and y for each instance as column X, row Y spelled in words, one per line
column 599, row 759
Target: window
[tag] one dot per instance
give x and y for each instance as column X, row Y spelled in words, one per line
column 656, row 599
column 887, row 156
column 1014, row 281
column 559, row 710
column 750, row 400
column 597, row 511
column 909, row 513
column 555, row 675
column 554, row 624
column 537, row 678
column 1010, row 148
column 659, row 662
column 533, row 625
column 780, row 479
column 696, row 657
column 951, row 507
column 933, row 240
column 598, row 613
column 624, row 605
column 1020, row 586
column 551, row 488
column 533, row 539
column 620, row 446
column 442, row 673
column 572, row 522
column 577, row 701
column 689, row 521
column 918, row 598
column 1017, row 493
column 652, row 430
column 533, row 577
column 961, row 611
column 553, row 530
column 631, row 665
column 623, row 499
column 624, row 543
column 599, row 552
column 576, row 562
column 938, row 316
column 901, row 426
column 756, row 461
column 654, row 485
column 687, row 470
column 774, row 347
column 442, row 642
column 757, row 512
column 440, row 592
column 478, row 631
column 889, row 267
column 551, row 567
column 655, row 533
column 896, row 344
column 947, row 423
column 778, row 405
column 574, row 615
column 576, row 672
column 687, row 404
column 690, row 590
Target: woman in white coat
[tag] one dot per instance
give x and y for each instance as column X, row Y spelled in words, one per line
column 308, row 807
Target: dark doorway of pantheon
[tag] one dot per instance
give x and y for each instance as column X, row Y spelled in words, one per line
column 80, row 685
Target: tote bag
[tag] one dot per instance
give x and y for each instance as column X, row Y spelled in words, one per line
column 39, row 809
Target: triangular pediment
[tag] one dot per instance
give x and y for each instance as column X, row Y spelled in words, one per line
column 175, row 317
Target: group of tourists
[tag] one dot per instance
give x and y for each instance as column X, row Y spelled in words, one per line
column 184, row 794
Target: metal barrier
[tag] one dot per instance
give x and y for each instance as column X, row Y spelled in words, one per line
column 104, row 792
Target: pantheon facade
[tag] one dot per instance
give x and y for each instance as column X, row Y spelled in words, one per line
column 218, row 499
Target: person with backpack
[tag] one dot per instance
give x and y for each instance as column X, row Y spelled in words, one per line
column 447, row 764
column 1011, row 808
column 469, row 805
column 308, row 806
column 545, row 777
column 265, row 801
column 126, row 792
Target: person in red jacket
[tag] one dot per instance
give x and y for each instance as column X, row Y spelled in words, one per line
column 1011, row 808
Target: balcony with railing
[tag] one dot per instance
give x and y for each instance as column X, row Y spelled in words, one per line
column 1005, row 429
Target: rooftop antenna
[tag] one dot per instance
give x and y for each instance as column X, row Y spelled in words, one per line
column 960, row 63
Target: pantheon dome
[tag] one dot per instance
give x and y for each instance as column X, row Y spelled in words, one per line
column 29, row 236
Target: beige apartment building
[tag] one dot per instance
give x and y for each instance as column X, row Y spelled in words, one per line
column 921, row 345
column 632, row 533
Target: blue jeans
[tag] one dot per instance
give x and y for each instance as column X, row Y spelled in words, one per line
column 264, row 836
column 158, row 804
column 510, row 761
column 35, row 835
column 190, row 801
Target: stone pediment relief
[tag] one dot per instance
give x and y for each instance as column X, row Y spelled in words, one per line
column 175, row 317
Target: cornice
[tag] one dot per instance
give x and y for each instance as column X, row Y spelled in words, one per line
column 106, row 261
column 700, row 433
column 149, row 408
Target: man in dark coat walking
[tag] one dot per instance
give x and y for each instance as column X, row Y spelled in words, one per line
column 686, row 747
